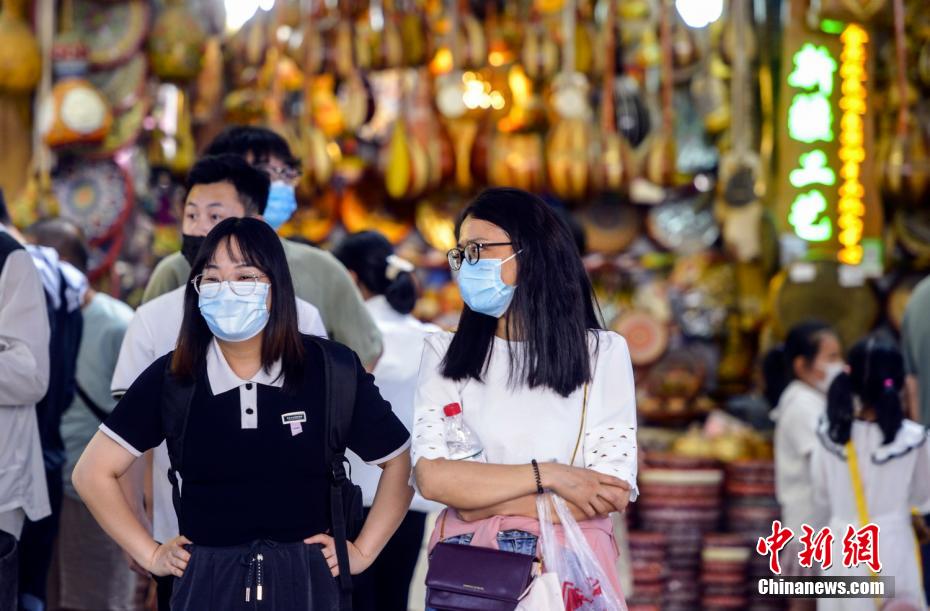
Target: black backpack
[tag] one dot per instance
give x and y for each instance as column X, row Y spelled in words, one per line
column 346, row 513
column 65, row 329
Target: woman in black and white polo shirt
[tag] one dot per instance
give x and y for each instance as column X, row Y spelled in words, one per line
column 255, row 500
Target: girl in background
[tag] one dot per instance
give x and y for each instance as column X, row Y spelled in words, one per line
column 871, row 465
column 387, row 284
column 798, row 376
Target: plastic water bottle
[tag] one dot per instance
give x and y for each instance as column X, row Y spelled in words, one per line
column 463, row 444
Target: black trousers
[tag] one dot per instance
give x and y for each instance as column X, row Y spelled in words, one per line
column 37, row 542
column 287, row 576
column 163, row 588
column 9, row 571
column 386, row 585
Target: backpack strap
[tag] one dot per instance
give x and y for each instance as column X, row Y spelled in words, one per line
column 341, row 380
column 90, row 404
column 175, row 408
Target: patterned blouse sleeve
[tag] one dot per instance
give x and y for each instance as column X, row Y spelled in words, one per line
column 434, row 391
column 610, row 429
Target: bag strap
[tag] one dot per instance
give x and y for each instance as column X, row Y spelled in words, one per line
column 175, row 409
column 340, row 386
column 95, row 409
column 862, row 508
column 584, row 413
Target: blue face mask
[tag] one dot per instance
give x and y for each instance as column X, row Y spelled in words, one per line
column 236, row 318
column 482, row 287
column 282, row 202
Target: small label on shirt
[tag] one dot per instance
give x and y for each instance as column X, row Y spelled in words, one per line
column 296, row 428
column 293, row 417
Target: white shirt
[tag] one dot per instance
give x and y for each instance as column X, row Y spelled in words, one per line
column 24, row 371
column 895, row 477
column 396, row 377
column 796, row 416
column 153, row 333
column 518, row 424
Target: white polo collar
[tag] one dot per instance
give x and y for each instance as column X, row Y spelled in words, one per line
column 223, row 379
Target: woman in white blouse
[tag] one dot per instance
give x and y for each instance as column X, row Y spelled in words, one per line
column 387, row 284
column 529, row 348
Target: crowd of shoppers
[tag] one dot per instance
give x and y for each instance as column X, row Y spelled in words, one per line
column 199, row 439
column 214, row 437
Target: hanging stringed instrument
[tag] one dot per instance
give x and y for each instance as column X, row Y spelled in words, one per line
column 570, row 138
column 741, row 172
column 741, row 168
column 614, row 165
column 461, row 124
column 661, row 157
column 907, row 160
column 313, row 145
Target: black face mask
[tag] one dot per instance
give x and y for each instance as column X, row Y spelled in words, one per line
column 190, row 246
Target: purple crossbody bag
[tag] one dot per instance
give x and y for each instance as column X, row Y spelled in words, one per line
column 467, row 578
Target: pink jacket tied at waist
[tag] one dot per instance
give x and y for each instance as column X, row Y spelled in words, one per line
column 598, row 532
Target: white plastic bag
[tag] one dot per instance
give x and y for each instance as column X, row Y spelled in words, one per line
column 584, row 585
column 545, row 594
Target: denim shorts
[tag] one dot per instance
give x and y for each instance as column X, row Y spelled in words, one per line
column 518, row 541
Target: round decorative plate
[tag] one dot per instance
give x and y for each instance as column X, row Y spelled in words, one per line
column 113, row 31
column 610, row 227
column 97, row 195
column 646, row 336
column 123, row 85
column 683, row 227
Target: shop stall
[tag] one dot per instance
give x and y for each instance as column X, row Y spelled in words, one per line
column 729, row 168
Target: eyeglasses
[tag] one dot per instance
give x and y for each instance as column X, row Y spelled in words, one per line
column 285, row 173
column 471, row 253
column 210, row 286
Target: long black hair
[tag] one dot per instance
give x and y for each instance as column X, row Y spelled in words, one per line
column 803, row 341
column 876, row 376
column 259, row 246
column 367, row 253
column 553, row 307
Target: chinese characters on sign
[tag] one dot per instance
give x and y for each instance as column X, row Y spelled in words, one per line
column 827, row 199
column 859, row 547
column 810, row 120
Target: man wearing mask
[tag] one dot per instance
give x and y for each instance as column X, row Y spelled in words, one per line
column 219, row 187
column 318, row 277
column 24, row 374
